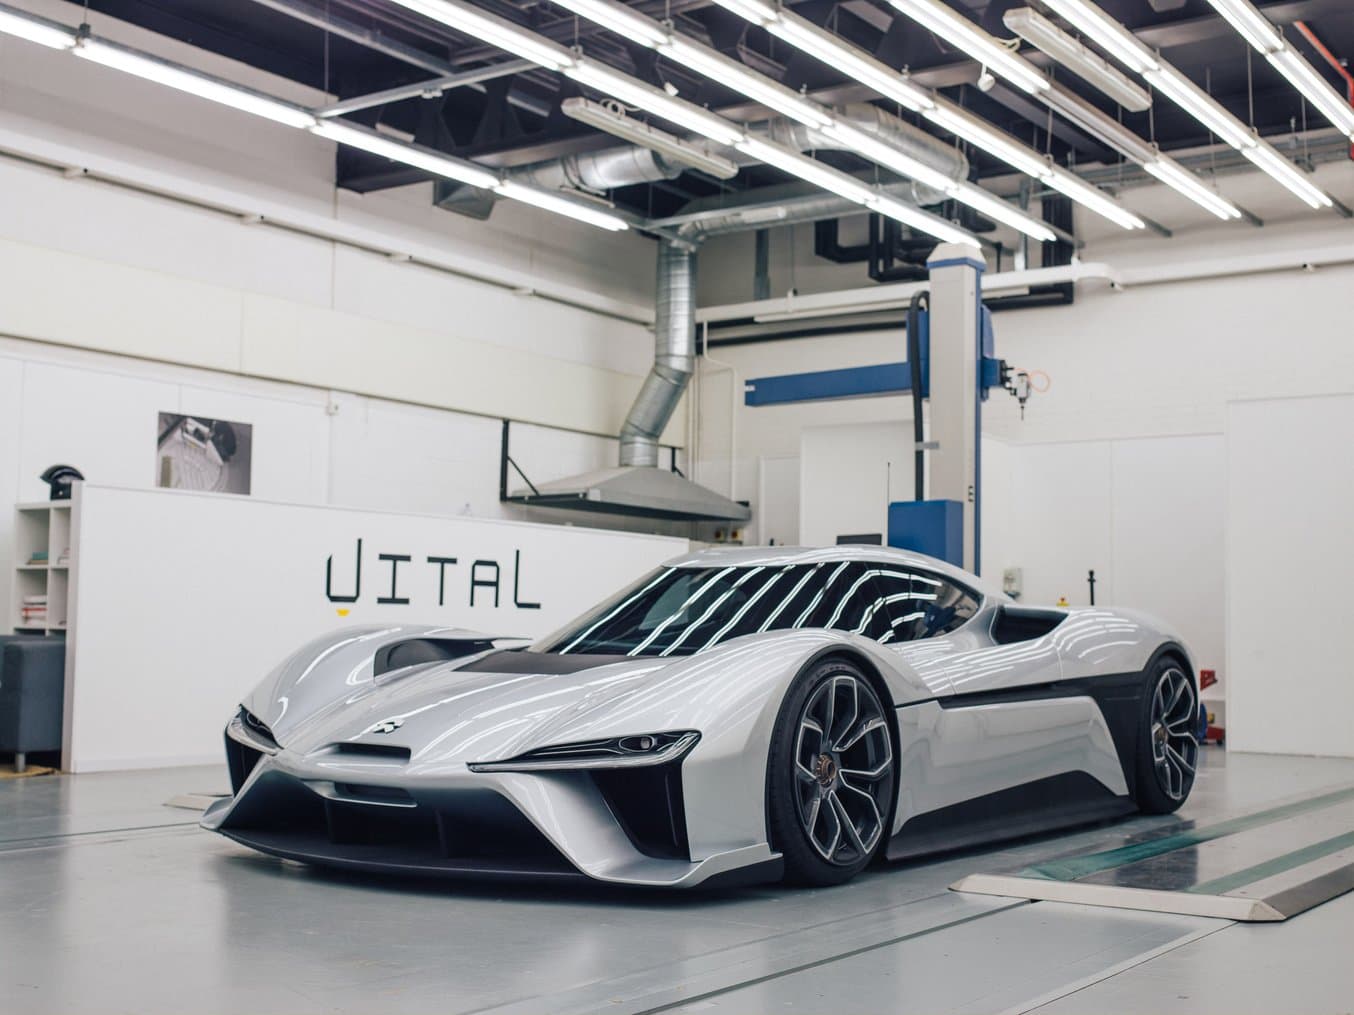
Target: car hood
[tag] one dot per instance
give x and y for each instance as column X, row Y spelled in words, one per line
column 489, row 707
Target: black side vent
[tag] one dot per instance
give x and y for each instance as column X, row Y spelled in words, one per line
column 417, row 651
column 1013, row 625
column 240, row 760
column 385, row 752
column 648, row 804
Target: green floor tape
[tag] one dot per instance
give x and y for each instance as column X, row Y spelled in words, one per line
column 1077, row 867
column 1223, row 885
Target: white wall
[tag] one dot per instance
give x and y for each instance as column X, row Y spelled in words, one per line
column 186, row 601
column 311, row 445
column 1290, row 550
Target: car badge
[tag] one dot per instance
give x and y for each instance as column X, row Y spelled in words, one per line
column 387, row 726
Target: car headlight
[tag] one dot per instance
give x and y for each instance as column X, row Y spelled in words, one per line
column 616, row 752
column 248, row 729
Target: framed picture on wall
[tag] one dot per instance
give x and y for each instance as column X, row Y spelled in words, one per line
column 197, row 453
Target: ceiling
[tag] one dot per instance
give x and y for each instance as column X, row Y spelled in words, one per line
column 355, row 47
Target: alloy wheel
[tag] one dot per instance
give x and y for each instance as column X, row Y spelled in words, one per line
column 843, row 770
column 1175, row 717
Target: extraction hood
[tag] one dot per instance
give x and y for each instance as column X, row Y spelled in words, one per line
column 639, row 491
column 638, row 487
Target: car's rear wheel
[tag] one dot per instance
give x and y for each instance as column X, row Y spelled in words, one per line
column 1168, row 750
column 831, row 776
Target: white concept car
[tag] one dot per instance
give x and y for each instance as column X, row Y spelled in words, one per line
column 735, row 716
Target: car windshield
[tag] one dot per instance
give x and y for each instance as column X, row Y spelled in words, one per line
column 680, row 611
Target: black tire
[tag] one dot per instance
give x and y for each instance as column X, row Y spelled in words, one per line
column 814, row 780
column 1168, row 752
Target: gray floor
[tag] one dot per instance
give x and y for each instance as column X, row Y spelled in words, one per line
column 112, row 902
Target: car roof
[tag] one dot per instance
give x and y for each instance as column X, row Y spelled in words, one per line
column 777, row 556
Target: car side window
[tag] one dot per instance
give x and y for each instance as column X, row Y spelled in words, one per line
column 946, row 605
column 904, row 601
column 842, row 596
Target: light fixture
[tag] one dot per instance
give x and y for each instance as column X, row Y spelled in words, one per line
column 1108, row 34
column 1186, row 183
column 621, row 86
column 1287, row 174
column 616, row 123
column 494, row 30
column 961, row 32
column 1091, row 67
column 776, row 96
column 1200, row 105
column 995, row 142
column 1124, row 46
column 34, row 29
column 1252, row 26
column 809, row 38
column 732, row 74
column 185, row 80
column 1256, row 29
column 425, row 159
column 915, row 218
column 1095, row 199
column 841, row 55
column 561, row 206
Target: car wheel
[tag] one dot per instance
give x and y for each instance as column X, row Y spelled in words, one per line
column 831, row 775
column 1168, row 751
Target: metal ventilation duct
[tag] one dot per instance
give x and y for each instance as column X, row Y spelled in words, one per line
column 638, row 487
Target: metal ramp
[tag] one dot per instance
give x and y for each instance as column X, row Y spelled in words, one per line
column 1260, row 867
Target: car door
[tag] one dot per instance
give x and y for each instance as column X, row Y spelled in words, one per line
column 1005, row 723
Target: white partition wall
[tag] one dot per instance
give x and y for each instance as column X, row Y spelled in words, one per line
column 1290, row 552
column 183, row 601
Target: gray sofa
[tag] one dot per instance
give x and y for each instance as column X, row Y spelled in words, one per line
column 32, row 689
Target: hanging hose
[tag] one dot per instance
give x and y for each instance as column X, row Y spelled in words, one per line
column 914, row 365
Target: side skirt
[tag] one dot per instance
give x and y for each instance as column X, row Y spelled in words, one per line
column 1060, row 801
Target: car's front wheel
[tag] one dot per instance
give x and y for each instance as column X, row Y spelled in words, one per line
column 1168, row 750
column 831, row 775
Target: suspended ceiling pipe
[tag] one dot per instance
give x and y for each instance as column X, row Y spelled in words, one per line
column 1336, row 63
column 384, row 44
column 426, row 89
column 674, row 356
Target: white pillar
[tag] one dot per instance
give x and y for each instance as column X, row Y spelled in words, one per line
column 955, row 298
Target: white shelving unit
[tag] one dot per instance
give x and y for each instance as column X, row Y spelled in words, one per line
column 42, row 527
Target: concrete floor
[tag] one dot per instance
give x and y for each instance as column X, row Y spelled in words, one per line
column 112, row 902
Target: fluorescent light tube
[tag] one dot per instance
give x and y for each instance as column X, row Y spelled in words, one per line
column 995, row 208
column 755, row 86
column 989, row 139
column 960, row 31
column 922, row 222
column 1093, row 198
column 810, row 170
column 1200, row 105
column 645, row 135
column 1287, row 174
column 411, row 155
column 1091, row 67
column 41, row 31
column 492, row 29
column 619, row 19
column 814, row 41
column 192, row 82
column 1252, row 26
column 756, row 11
column 561, row 206
column 1188, row 185
column 880, row 151
column 1106, row 33
column 636, row 93
column 1302, row 76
